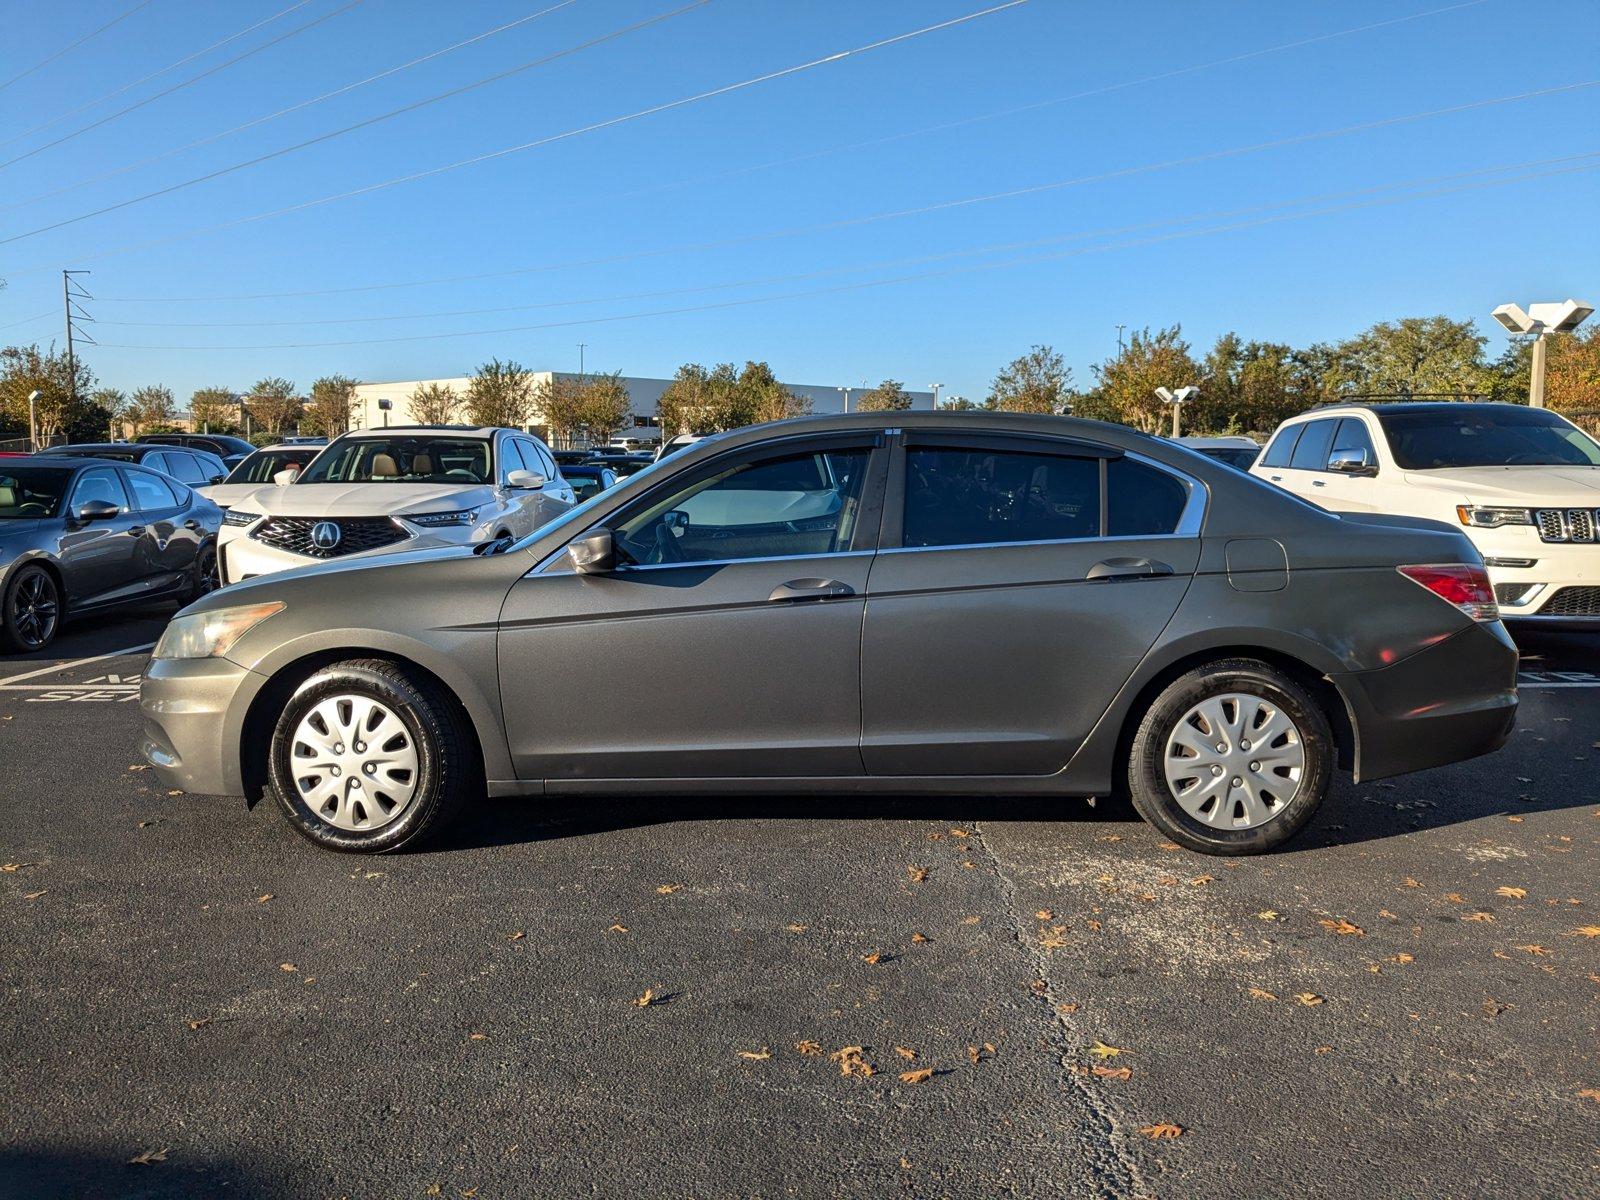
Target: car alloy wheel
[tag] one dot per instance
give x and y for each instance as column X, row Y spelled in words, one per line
column 354, row 763
column 1234, row 761
column 33, row 609
column 206, row 576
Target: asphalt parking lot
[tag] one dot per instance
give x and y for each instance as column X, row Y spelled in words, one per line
column 658, row 997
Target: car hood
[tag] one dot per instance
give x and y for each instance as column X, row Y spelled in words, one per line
column 366, row 499
column 227, row 495
column 1575, row 486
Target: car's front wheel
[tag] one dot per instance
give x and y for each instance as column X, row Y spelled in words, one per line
column 1233, row 757
column 30, row 611
column 368, row 757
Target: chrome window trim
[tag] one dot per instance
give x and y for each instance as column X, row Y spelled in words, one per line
column 553, row 559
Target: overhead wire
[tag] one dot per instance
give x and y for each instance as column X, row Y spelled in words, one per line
column 65, row 50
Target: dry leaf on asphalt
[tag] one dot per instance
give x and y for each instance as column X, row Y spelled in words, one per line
column 288, row 967
column 919, row 937
column 975, row 1055
column 808, row 1047
column 264, row 897
column 666, row 889
column 850, row 1061
column 796, row 927
column 1112, row 1072
column 1066, row 1009
column 1044, row 914
column 906, row 1052
column 1261, row 994
column 1101, row 1050
column 11, row 868
column 1589, row 1094
column 919, row 1076
column 649, row 998
column 515, row 937
column 1164, row 1130
column 145, row 1157
column 1402, row 957
column 1511, row 893
column 1309, row 999
column 1587, row 931
column 918, row 874
column 1054, row 938
column 199, row 1022
column 618, row 928
column 34, row 895
column 959, row 833
column 1482, row 917
column 1268, row 915
column 1201, row 880
column 477, row 1037
column 1344, row 927
column 873, row 958
column 1534, row 949
column 755, row 1055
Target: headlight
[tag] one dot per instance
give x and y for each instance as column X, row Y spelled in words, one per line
column 212, row 634
column 1492, row 518
column 465, row 516
column 235, row 516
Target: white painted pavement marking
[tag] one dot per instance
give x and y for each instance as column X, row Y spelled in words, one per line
column 71, row 664
column 1557, row 679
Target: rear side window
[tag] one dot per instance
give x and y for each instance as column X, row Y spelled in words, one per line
column 184, row 467
column 1282, row 447
column 958, row 497
column 1352, row 436
column 151, row 493
column 1141, row 501
column 1311, row 451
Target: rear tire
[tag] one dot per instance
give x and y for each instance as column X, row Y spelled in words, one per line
column 400, row 786
column 1194, row 774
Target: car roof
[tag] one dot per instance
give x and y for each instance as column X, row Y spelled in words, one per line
column 86, row 448
column 1404, row 406
column 1228, row 442
column 482, row 431
column 75, row 461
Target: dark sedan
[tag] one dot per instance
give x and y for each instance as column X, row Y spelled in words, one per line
column 194, row 467
column 588, row 479
column 864, row 604
column 231, row 450
column 81, row 534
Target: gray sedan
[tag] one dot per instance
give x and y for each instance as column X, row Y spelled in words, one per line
column 894, row 603
column 82, row 534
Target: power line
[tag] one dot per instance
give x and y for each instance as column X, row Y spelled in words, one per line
column 39, row 66
column 571, row 133
column 902, row 279
column 296, row 107
column 193, row 79
column 888, row 215
column 1077, row 235
column 30, row 320
column 363, row 124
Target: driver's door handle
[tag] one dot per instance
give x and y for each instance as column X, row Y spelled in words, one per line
column 811, row 589
column 1127, row 568
column 135, row 530
column 192, row 526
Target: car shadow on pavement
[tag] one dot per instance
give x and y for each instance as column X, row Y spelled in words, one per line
column 154, row 1172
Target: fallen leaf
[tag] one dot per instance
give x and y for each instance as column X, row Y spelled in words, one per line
column 919, row 937
column 1512, row 893
column 174, row 791
column 289, row 967
column 12, row 868
column 1515, row 820
column 139, row 767
column 1481, row 917
column 1101, row 1050
column 1410, row 882
column 264, row 897
column 1402, row 957
column 1044, row 914
column 1261, row 994
column 874, row 957
column 1455, row 898
column 34, row 895
column 756, row 1055
column 477, row 1037
column 666, row 889
column 1492, row 1008
column 959, row 833
column 1169, row 846
column 649, row 998
column 515, row 937
column 1587, row 931
column 145, row 1157
column 976, row 1055
column 1066, row 1009
column 1053, row 938
column 1322, row 1049
column 199, row 1022
column 850, row 1061
column 1112, row 837
column 972, row 920
column 919, row 1076
column 618, row 928
column 796, row 928
column 1112, row 1072
column 150, row 822
column 1342, row 926
column 1201, row 880
column 1163, row 1130
column 906, row 1052
column 1309, row 999
column 808, row 1047
column 1535, row 949
column 918, row 874
column 1589, row 1094
column 1268, row 915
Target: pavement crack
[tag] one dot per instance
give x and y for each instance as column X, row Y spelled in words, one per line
column 1101, row 1145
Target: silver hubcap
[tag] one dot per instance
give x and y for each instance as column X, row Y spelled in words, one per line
column 354, row 763
column 1234, row 761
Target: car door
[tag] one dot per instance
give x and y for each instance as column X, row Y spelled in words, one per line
column 97, row 557
column 556, row 496
column 1020, row 581
column 733, row 618
column 1306, row 474
column 1349, row 489
column 168, row 536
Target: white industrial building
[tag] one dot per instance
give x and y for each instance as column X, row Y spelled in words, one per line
column 643, row 393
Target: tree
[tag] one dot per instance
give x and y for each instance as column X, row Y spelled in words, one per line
column 1572, row 372
column 1151, row 360
column 604, row 405
column 960, row 404
column 214, row 409
column 701, row 401
column 1419, row 355
column 27, row 369
column 685, row 405
column 328, row 411
column 151, row 408
column 1038, row 382
column 114, row 405
column 501, row 393
column 435, row 404
column 759, row 398
column 559, row 405
column 888, row 396
column 274, row 403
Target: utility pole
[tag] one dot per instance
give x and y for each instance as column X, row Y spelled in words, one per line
column 582, row 346
column 1120, row 328
column 71, row 293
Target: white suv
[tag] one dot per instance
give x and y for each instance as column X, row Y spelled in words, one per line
column 1523, row 482
column 378, row 491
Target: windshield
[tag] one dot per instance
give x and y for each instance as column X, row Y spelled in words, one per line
column 261, row 466
column 32, row 492
column 463, row 461
column 1432, row 440
column 1242, row 457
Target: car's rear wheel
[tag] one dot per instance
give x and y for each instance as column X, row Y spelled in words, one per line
column 30, row 611
column 1233, row 757
column 368, row 757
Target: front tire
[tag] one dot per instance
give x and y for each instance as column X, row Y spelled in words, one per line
column 370, row 758
column 1233, row 757
column 30, row 611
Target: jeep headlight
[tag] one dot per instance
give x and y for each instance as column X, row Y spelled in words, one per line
column 1492, row 518
column 436, row 520
column 212, row 634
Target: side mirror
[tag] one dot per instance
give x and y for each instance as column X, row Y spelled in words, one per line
column 525, row 480
column 287, row 476
column 216, row 479
column 95, row 510
column 593, row 554
column 1351, row 462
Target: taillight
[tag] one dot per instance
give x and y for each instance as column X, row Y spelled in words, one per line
column 1462, row 584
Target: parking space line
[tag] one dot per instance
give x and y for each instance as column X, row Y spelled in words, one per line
column 74, row 663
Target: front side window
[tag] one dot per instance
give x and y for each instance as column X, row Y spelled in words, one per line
column 1311, row 451
column 957, row 497
column 151, row 493
column 1352, row 438
column 1485, row 436
column 27, row 493
column 100, row 484
column 401, row 459
column 799, row 504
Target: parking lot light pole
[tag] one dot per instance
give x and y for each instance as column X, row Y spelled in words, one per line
column 846, row 393
column 1176, row 399
column 1541, row 320
column 936, row 387
column 33, row 422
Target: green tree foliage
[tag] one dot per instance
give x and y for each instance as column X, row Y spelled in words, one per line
column 1419, row 354
column 1038, row 382
column 151, row 408
column 960, row 404
column 435, row 404
column 501, row 393
column 701, row 401
column 1127, row 383
column 214, row 409
column 327, row 412
column 274, row 404
column 25, row 369
column 110, row 407
column 604, row 405
column 1572, row 373
column 888, row 396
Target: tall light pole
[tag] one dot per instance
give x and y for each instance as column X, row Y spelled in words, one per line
column 846, row 392
column 33, row 422
column 582, row 346
column 936, row 387
column 1177, row 398
column 1541, row 320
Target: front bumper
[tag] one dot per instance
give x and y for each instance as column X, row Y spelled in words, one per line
column 1560, row 583
column 1453, row 701
column 193, row 711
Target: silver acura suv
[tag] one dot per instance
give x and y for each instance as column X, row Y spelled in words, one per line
column 871, row 603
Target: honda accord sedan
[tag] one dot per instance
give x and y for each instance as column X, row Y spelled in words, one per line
column 870, row 603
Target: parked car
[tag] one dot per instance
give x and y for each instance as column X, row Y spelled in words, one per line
column 258, row 471
column 80, row 535
column 231, row 450
column 1238, row 452
column 589, row 479
column 1523, row 483
column 191, row 467
column 622, row 465
column 995, row 603
column 380, row 491
column 567, row 458
column 678, row 442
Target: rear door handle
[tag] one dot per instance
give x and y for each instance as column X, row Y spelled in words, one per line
column 1319, row 483
column 1128, row 568
column 1276, row 478
column 811, row 589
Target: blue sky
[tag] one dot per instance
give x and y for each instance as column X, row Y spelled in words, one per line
column 738, row 225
